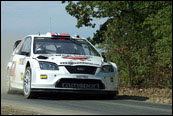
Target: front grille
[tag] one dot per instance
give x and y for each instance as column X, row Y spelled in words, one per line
column 80, row 83
column 81, row 69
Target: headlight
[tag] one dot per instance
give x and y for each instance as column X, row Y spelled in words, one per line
column 107, row 68
column 48, row 66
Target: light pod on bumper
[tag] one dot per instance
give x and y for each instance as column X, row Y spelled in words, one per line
column 43, row 76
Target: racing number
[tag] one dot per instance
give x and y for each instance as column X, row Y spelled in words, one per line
column 12, row 70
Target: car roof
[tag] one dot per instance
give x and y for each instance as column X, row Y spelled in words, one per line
column 48, row 34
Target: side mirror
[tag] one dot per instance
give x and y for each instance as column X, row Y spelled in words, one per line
column 104, row 57
column 16, row 44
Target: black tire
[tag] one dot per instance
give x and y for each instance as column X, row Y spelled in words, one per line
column 27, row 84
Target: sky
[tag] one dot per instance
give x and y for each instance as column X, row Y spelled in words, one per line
column 32, row 17
column 22, row 18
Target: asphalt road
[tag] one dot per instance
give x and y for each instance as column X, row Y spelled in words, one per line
column 85, row 105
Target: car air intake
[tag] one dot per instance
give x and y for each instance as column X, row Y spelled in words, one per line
column 81, row 69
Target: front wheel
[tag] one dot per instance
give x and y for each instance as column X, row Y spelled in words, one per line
column 27, row 84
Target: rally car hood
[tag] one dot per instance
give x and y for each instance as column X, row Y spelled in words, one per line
column 71, row 59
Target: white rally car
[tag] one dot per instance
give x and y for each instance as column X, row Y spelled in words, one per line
column 60, row 63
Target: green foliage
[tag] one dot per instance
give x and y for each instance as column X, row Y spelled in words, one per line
column 137, row 37
column 161, row 24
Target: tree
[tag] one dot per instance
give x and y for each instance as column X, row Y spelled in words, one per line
column 161, row 26
column 130, row 35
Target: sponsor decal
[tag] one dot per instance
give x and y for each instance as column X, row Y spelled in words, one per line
column 21, row 61
column 80, row 85
column 22, row 76
column 73, row 63
column 75, row 58
column 40, row 38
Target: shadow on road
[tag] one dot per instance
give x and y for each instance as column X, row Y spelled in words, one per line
column 72, row 96
column 130, row 97
column 89, row 97
column 77, row 96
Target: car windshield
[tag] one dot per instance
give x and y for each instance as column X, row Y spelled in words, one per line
column 47, row 45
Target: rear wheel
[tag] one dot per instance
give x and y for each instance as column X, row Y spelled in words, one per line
column 27, row 84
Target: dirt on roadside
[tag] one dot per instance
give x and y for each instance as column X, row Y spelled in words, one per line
column 154, row 95
column 10, row 110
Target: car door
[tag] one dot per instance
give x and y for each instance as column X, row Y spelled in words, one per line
column 12, row 68
column 21, row 57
